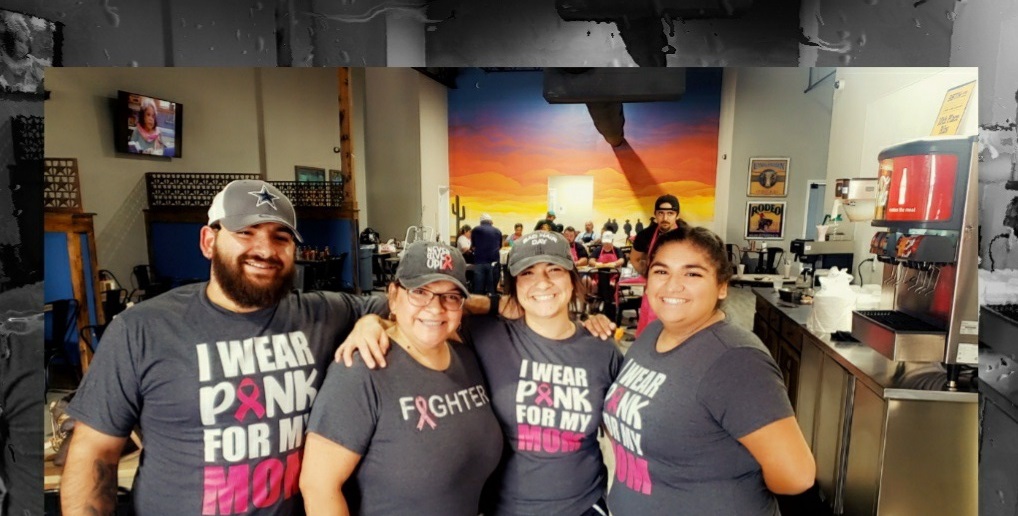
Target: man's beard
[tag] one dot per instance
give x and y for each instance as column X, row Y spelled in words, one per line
column 244, row 292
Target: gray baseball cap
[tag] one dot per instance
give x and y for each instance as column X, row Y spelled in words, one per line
column 428, row 262
column 247, row 202
column 539, row 247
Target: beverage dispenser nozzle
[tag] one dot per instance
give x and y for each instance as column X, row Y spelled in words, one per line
column 953, row 374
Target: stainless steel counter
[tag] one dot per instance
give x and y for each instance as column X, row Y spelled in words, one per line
column 881, row 431
column 888, row 379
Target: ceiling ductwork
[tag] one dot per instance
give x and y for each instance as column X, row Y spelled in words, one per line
column 639, row 21
column 604, row 90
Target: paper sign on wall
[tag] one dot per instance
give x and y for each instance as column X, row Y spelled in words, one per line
column 951, row 111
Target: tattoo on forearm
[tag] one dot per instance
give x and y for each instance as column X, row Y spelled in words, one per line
column 104, row 494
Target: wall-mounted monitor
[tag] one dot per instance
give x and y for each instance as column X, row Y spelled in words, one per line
column 148, row 125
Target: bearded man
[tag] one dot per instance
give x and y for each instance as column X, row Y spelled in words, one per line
column 218, row 376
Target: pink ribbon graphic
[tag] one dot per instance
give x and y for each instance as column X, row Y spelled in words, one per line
column 612, row 406
column 544, row 394
column 447, row 262
column 248, row 400
column 422, row 407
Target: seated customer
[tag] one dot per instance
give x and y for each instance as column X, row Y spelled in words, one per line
column 607, row 255
column 576, row 250
column 589, row 237
column 604, row 257
column 516, row 235
column 418, row 436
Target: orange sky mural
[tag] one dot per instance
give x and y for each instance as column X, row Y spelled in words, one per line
column 505, row 141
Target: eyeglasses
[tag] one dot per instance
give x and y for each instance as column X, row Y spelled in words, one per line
column 452, row 301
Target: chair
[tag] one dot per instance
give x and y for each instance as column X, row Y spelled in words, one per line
column 329, row 274
column 63, row 319
column 148, row 284
column 114, row 302
column 734, row 256
column 382, row 269
column 626, row 299
column 772, row 259
column 91, row 335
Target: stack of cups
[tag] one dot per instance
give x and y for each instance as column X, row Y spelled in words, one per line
column 821, row 232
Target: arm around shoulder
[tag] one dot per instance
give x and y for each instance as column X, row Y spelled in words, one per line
column 88, row 483
column 355, row 305
column 368, row 338
column 327, row 465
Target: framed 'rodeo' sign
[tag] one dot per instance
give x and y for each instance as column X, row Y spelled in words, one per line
column 765, row 220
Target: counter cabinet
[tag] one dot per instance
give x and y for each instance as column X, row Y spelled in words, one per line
column 783, row 338
column 880, row 447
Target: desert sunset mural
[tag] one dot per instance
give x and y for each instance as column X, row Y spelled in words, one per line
column 506, row 141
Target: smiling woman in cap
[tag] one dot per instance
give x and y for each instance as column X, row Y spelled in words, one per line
column 547, row 378
column 418, row 436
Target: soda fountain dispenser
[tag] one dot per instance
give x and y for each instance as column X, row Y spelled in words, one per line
column 927, row 200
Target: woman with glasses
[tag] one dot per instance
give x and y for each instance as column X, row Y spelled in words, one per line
column 547, row 377
column 418, row 436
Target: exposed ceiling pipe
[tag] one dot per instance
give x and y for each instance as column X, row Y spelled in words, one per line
column 608, row 120
column 639, row 22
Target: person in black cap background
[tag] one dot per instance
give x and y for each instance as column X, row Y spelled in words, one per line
column 219, row 376
column 666, row 217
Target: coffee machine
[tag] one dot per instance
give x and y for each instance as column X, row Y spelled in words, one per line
column 815, row 255
column 855, row 197
column 927, row 201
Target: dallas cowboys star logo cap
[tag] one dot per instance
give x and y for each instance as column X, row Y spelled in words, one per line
column 247, row 202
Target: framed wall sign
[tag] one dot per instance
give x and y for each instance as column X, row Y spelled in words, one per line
column 309, row 173
column 765, row 220
column 768, row 177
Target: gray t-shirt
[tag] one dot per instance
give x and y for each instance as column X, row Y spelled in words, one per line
column 548, row 396
column 221, row 397
column 674, row 419
column 428, row 439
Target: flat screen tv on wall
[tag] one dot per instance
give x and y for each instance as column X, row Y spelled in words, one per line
column 148, row 125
